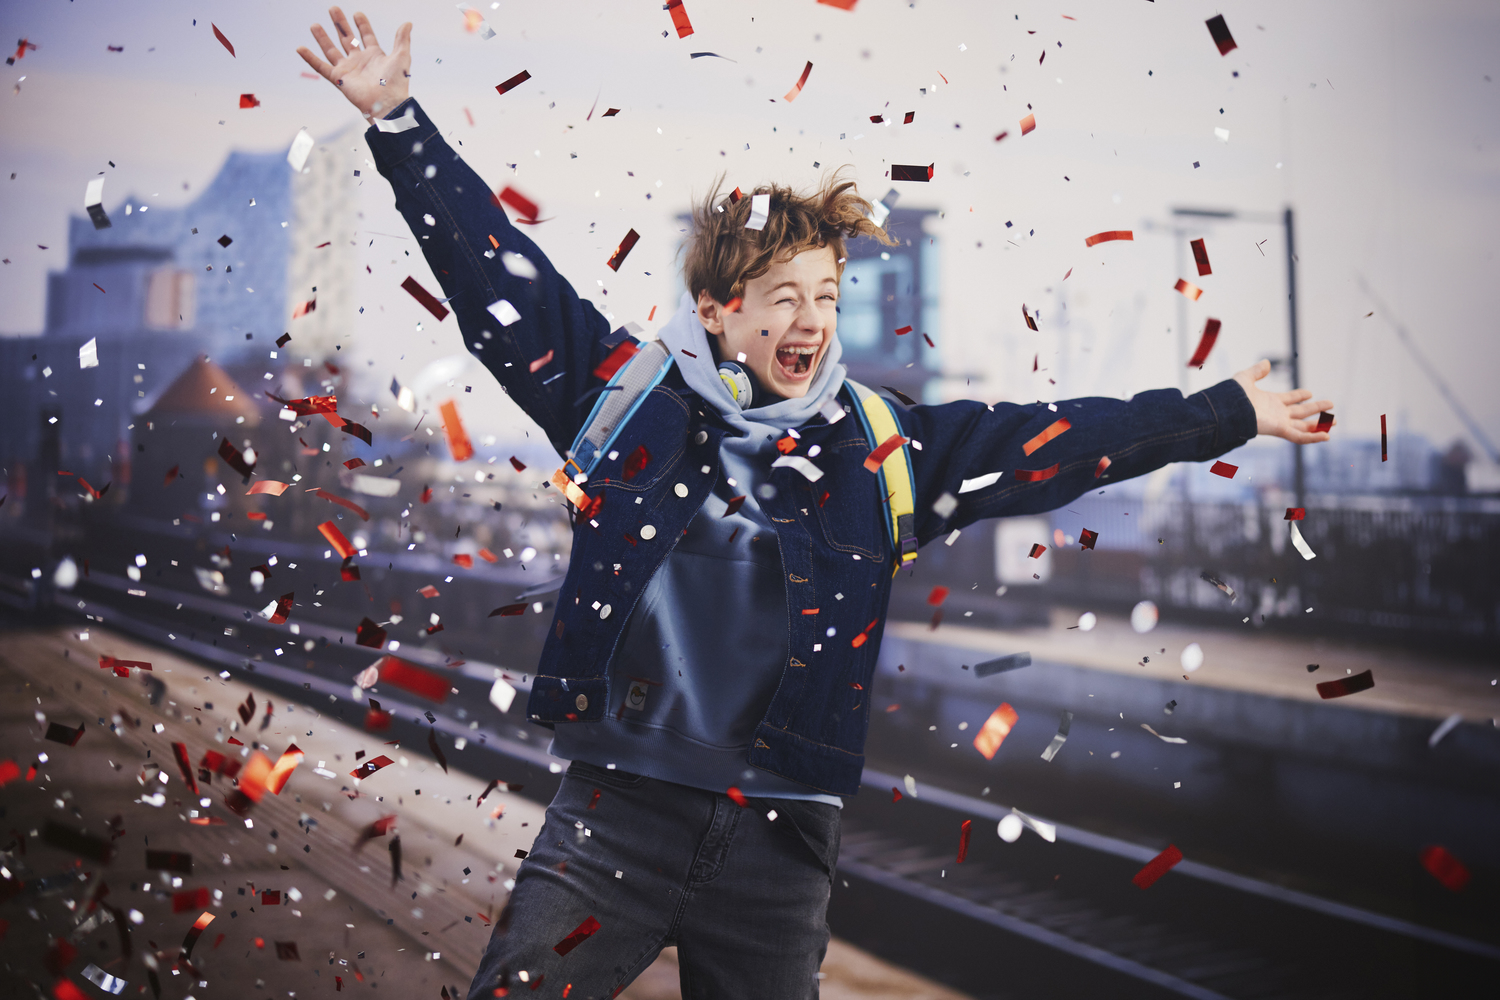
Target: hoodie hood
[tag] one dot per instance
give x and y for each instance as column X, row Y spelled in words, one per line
column 684, row 335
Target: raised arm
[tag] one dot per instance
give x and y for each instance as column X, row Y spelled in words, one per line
column 546, row 358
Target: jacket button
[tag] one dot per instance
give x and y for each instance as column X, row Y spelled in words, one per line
column 648, row 531
column 582, row 701
column 604, row 611
column 701, row 437
column 680, row 489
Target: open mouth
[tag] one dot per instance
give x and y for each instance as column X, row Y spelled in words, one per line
column 796, row 362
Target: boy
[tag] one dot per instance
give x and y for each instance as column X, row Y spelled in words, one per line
column 708, row 667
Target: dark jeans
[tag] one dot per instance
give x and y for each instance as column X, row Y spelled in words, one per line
column 743, row 897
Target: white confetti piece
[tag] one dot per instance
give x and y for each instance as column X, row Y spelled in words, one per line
column 979, row 482
column 502, row 694
column 802, row 465
column 760, row 211
column 88, row 354
column 1300, row 544
column 405, row 122
column 302, row 147
column 503, row 311
column 1164, row 739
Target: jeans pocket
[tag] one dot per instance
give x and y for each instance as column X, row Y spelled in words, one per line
column 815, row 824
column 604, row 776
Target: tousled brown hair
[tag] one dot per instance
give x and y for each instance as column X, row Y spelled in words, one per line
column 722, row 255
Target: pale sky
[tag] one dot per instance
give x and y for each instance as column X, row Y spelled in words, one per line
column 1378, row 122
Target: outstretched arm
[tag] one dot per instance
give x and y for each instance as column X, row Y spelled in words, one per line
column 1043, row 466
column 546, row 358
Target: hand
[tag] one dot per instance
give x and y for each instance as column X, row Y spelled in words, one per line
column 1282, row 414
column 373, row 81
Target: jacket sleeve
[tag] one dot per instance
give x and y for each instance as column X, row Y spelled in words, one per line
column 545, row 360
column 967, row 440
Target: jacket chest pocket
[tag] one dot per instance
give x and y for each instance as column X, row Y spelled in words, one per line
column 850, row 515
column 650, row 447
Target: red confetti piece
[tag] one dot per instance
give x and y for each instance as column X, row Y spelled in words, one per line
column 9, row 771
column 249, row 101
column 1200, row 257
column 310, row 405
column 896, row 795
column 429, row 592
column 1296, row 514
column 351, row 428
column 610, row 113
column 903, row 331
column 508, row 610
column 580, row 934
column 367, row 633
column 234, row 458
column 488, row 556
column 733, row 304
column 543, row 361
column 1030, row 323
column 1218, row 29
column 1002, row 135
column 354, row 463
column 205, row 918
column 1325, row 421
column 907, row 172
column 303, row 309
column 737, row 796
column 1224, row 469
column 453, row 430
column 1383, row 455
column 220, row 36
column 1205, row 343
column 337, row 540
column 791, row 95
column 190, row 899
column 525, row 208
column 1088, row 538
column 910, row 117
column 519, row 466
column 59, row 733
column 616, row 359
column 1028, row 124
column 1109, row 235
column 122, row 668
column 1444, row 867
column 635, row 464
column 349, row 572
column 172, row 472
column 1036, row 475
column 464, row 559
column 185, row 765
column 623, row 250
column 513, row 82
column 1157, row 867
column 879, row 455
column 370, row 766
column 963, row 840
column 1189, row 289
column 323, row 494
column 283, row 609
column 994, row 730
column 1053, row 430
column 1036, row 550
column 1343, row 686
column 787, row 445
column 410, row 677
column 929, row 341
column 679, row 18
column 734, row 504
column 425, row 297
column 840, row 4
column 937, row 596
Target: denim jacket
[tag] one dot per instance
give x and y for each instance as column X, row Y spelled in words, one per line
column 834, row 545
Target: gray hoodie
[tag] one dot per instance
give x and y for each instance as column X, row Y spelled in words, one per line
column 706, row 644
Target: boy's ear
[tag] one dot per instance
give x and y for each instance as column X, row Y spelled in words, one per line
column 710, row 314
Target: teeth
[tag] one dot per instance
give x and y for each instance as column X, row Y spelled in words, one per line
column 800, row 350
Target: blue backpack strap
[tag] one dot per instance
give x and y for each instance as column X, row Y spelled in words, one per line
column 878, row 417
column 621, row 397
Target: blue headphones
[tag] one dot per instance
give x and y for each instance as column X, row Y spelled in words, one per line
column 739, row 383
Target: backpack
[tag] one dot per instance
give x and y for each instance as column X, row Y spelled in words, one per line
column 644, row 371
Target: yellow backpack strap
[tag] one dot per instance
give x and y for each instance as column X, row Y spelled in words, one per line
column 878, row 417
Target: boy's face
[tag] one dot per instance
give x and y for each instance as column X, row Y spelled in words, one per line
column 785, row 324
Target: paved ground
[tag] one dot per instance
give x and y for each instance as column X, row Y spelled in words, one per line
column 342, row 924
column 1406, row 682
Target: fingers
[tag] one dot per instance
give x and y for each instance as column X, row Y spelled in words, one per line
column 366, row 33
column 1304, row 437
column 1307, row 409
column 346, row 33
column 1294, row 396
column 319, row 66
column 330, row 51
column 403, row 40
column 1260, row 369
